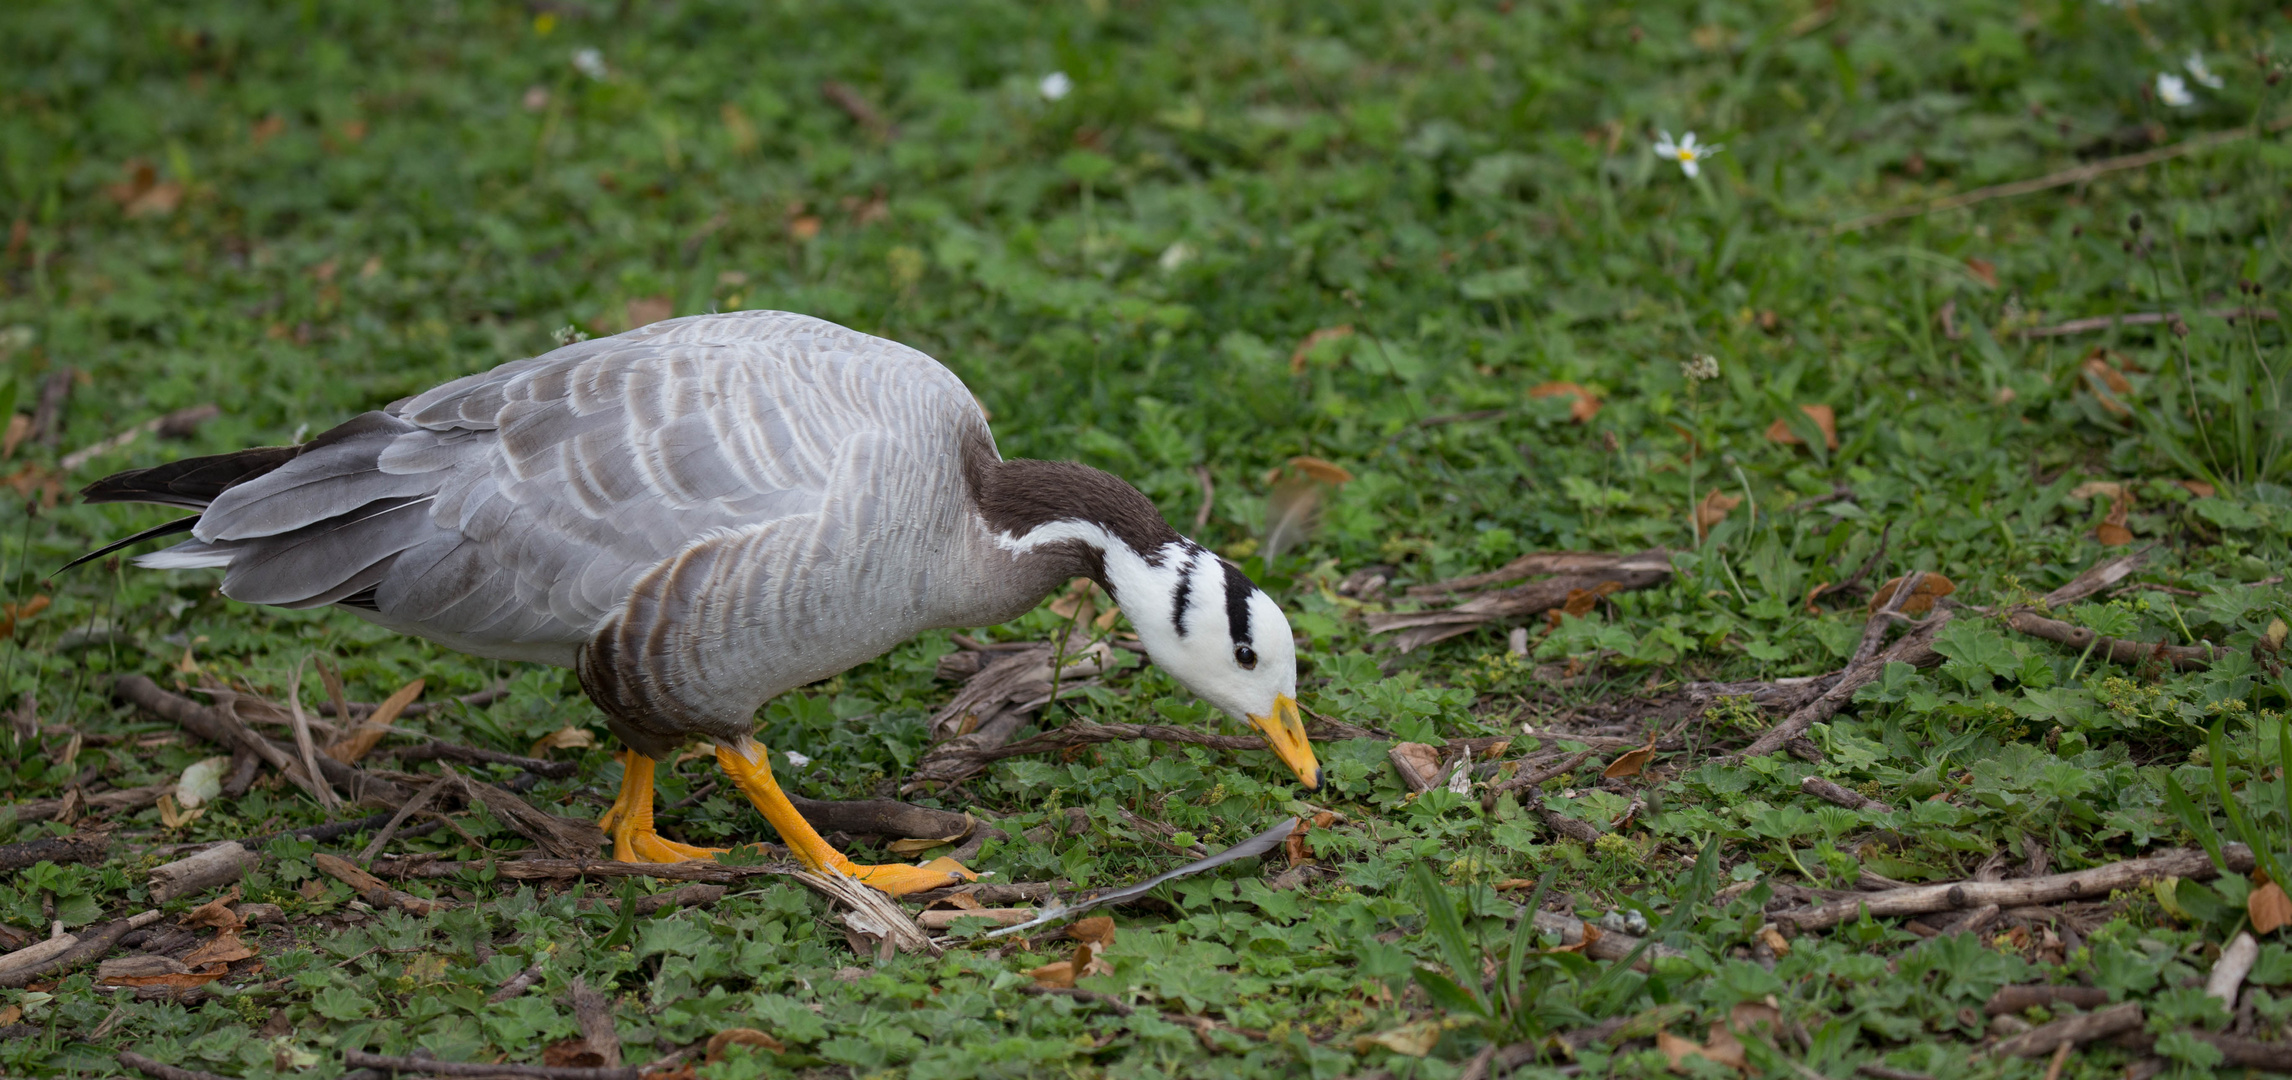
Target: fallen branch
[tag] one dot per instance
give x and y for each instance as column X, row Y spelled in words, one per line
column 154, row 1069
column 2014, row 999
column 220, row 724
column 82, row 848
column 1599, row 574
column 2065, row 177
column 359, row 710
column 2139, row 318
column 1565, row 766
column 193, row 874
column 83, row 949
column 471, row 755
column 2071, row 1031
column 372, row 890
column 569, row 869
column 884, row 817
column 2095, row 578
column 360, row 1059
column 1915, row 648
column 1835, row 794
column 1533, row 564
column 2119, row 650
column 135, row 798
column 2051, row 889
column 1008, row 684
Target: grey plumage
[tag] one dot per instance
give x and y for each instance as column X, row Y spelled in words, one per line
column 696, row 516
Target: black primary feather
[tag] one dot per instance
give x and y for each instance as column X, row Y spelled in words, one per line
column 191, row 483
column 179, row 525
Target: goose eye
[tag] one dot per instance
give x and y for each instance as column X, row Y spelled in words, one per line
column 1245, row 656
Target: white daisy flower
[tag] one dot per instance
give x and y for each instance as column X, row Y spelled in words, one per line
column 2174, row 90
column 1686, row 151
column 1056, row 85
column 590, row 62
column 2202, row 74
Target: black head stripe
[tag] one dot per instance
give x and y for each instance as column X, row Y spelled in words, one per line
column 1184, row 593
column 1238, row 589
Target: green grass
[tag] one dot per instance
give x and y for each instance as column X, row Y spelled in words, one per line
column 372, row 200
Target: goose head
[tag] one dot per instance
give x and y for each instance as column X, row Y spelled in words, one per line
column 1203, row 621
column 1197, row 616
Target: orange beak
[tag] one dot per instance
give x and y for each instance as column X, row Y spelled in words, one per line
column 1285, row 736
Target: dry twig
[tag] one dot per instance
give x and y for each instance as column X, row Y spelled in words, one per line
column 2053, row 888
column 2065, row 177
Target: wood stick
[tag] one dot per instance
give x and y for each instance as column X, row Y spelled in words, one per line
column 593, row 1013
column 2183, row 657
column 2014, row 999
column 193, row 874
column 2139, row 318
column 308, row 746
column 157, row 1071
column 471, row 755
column 2095, row 578
column 1833, row 793
column 135, row 798
column 2051, row 889
column 2065, row 177
column 1531, row 779
column 942, row 918
column 81, row 848
column 2071, row 1031
column 568, row 869
column 87, row 947
column 2229, row 971
column 360, row 1059
column 478, row 700
column 1915, row 648
column 405, row 810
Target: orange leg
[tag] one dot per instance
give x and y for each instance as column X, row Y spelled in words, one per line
column 630, row 819
column 750, row 766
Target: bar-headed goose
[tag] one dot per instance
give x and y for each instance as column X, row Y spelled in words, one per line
column 699, row 515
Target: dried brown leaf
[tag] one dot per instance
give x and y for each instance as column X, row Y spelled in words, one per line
column 1409, row 1040
column 1096, row 931
column 225, row 949
column 2268, row 907
column 564, row 738
column 1931, row 587
column 216, row 913
column 1983, row 271
column 1824, row 417
column 362, row 740
column 741, row 1037
column 347, row 872
column 1713, row 510
column 1328, row 472
column 571, row 1052
column 176, row 980
column 1305, row 349
column 1629, row 763
column 2198, row 488
column 1583, row 404
column 2107, row 381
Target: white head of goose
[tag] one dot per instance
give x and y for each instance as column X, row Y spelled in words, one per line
column 697, row 516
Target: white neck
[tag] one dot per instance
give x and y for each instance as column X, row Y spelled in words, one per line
column 1145, row 585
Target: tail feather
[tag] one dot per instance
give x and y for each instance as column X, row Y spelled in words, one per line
column 191, row 483
column 179, row 525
